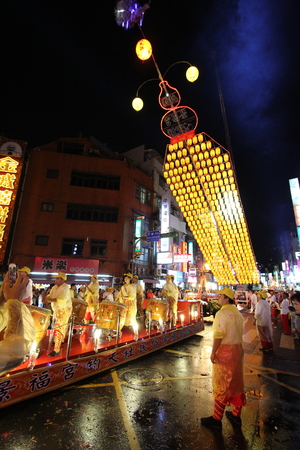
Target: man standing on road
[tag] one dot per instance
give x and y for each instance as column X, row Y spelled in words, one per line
column 227, row 357
column 284, row 313
column 263, row 322
column 253, row 299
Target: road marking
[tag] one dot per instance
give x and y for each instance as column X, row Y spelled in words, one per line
column 91, row 385
column 287, row 342
column 182, row 353
column 290, row 388
column 268, row 369
column 131, row 435
column 250, row 336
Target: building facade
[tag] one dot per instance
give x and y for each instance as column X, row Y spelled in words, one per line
column 78, row 210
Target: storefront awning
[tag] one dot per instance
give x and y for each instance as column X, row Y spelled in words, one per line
column 150, row 280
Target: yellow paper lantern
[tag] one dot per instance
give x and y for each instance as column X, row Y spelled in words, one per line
column 192, row 74
column 143, row 49
column 137, row 104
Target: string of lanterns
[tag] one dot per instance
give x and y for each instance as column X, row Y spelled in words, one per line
column 201, row 177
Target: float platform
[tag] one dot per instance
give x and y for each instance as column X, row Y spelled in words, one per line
column 83, row 355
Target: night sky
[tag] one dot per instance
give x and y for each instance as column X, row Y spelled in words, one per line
column 68, row 68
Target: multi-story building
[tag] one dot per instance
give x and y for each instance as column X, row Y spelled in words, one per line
column 78, row 213
column 167, row 219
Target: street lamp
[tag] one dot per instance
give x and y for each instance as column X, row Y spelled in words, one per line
column 178, row 119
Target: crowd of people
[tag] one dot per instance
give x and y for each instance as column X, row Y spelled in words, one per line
column 227, row 351
column 60, row 298
column 269, row 308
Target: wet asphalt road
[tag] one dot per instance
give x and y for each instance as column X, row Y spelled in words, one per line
column 156, row 402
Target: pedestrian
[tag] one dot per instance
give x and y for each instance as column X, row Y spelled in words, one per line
column 284, row 313
column 116, row 292
column 264, row 322
column 253, row 299
column 295, row 298
column 73, row 291
column 273, row 300
column 61, row 303
column 149, row 294
column 26, row 295
column 227, row 357
column 81, row 293
column 108, row 294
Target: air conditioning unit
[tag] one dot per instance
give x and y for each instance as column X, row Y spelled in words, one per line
column 157, row 272
column 117, row 280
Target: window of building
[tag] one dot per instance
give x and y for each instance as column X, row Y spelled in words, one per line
column 52, row 173
column 41, row 240
column 144, row 257
column 47, row 207
column 72, row 148
column 98, row 247
column 95, row 180
column 161, row 181
column 159, row 202
column 142, row 194
column 92, row 213
column 146, row 224
column 72, row 247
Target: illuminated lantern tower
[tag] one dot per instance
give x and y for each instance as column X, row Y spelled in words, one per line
column 201, row 177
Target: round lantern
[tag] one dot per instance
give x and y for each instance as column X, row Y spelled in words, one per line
column 137, row 104
column 192, row 74
column 143, row 49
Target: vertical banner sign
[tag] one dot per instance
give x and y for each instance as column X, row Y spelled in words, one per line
column 138, row 234
column 184, row 250
column 165, row 221
column 191, row 251
column 295, row 194
column 297, row 272
column 10, row 171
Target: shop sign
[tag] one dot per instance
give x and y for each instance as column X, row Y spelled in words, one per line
column 68, row 265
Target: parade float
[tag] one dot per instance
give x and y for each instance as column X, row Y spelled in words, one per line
column 90, row 349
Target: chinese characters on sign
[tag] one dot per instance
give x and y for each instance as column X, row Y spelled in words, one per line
column 10, row 170
column 70, row 265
